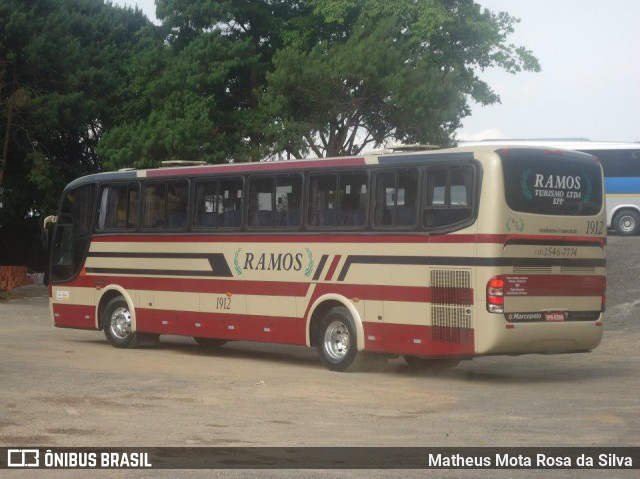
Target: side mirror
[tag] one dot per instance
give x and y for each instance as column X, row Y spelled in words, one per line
column 44, row 237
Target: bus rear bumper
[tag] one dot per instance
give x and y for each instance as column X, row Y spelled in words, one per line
column 544, row 338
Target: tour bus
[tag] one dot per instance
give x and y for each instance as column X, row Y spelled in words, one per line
column 621, row 165
column 435, row 256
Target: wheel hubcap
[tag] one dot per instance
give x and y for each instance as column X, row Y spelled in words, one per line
column 627, row 223
column 120, row 322
column 337, row 341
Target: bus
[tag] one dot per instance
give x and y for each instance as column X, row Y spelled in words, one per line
column 621, row 164
column 435, row 256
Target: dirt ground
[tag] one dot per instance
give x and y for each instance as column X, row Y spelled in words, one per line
column 70, row 388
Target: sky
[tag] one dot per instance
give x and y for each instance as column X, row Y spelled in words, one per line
column 589, row 86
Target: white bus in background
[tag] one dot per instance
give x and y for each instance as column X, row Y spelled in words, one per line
column 621, row 165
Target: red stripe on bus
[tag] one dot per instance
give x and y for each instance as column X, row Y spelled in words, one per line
column 252, row 167
column 391, row 338
column 77, row 316
column 454, row 296
column 417, row 340
column 240, row 327
column 186, row 285
column 332, row 268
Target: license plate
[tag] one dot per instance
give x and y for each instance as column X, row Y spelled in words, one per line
column 554, row 316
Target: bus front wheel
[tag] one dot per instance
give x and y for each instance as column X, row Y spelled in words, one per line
column 338, row 344
column 626, row 222
column 117, row 324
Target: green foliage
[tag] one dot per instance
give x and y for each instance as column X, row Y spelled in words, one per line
column 62, row 80
column 180, row 106
column 378, row 71
column 194, row 91
column 86, row 86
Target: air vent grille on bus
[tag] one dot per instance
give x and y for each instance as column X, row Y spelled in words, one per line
column 533, row 269
column 451, row 301
column 577, row 269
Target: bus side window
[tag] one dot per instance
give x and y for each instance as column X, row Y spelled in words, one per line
column 322, row 200
column 396, row 198
column 153, row 205
column 275, row 201
column 133, row 210
column 118, row 208
column 231, row 197
column 352, row 199
column 165, row 205
column 261, row 202
column 177, row 203
column 407, row 197
column 208, row 205
column 338, row 200
column 288, row 197
column 449, row 194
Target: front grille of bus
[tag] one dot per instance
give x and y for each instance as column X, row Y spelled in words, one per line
column 451, row 306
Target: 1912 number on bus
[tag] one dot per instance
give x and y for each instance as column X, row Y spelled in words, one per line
column 595, row 227
column 223, row 302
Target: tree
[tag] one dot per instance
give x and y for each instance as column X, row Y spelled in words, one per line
column 195, row 90
column 180, row 105
column 243, row 79
column 62, row 78
column 365, row 72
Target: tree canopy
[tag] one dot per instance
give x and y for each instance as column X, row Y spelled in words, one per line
column 378, row 70
column 62, row 80
column 87, row 86
column 246, row 79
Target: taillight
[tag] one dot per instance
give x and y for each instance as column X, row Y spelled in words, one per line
column 495, row 295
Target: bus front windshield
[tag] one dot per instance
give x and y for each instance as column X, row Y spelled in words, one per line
column 72, row 233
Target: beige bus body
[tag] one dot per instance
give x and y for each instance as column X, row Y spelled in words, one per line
column 417, row 293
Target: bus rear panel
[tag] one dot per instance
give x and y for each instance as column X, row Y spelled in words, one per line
column 548, row 293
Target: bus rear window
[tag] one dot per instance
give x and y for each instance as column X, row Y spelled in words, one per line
column 552, row 183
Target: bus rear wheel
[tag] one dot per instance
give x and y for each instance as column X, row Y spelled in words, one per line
column 338, row 343
column 626, row 223
column 117, row 324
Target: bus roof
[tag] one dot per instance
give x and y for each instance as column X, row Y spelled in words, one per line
column 374, row 158
column 464, row 152
column 581, row 144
